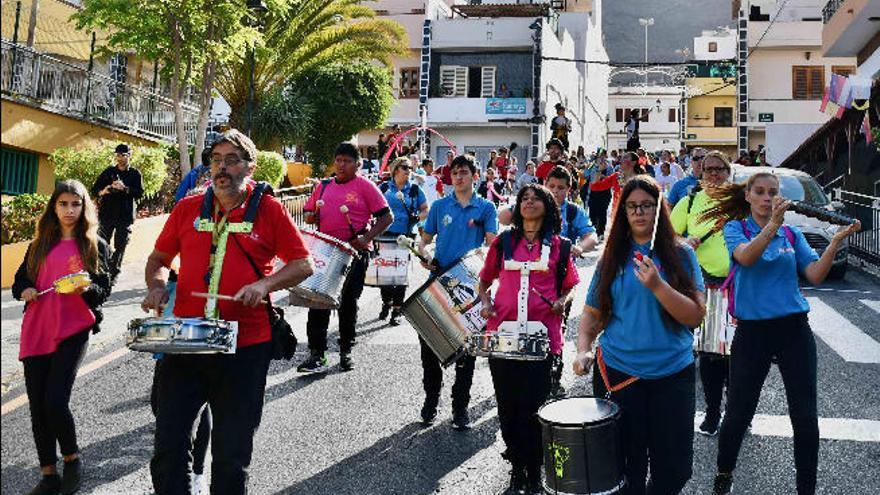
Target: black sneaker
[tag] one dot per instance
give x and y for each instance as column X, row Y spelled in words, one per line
column 346, row 363
column 71, row 477
column 395, row 318
column 709, row 426
column 557, row 391
column 723, row 484
column 316, row 363
column 461, row 421
column 429, row 410
column 518, row 484
column 50, row 484
column 384, row 312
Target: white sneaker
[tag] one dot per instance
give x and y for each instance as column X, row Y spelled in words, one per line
column 199, row 484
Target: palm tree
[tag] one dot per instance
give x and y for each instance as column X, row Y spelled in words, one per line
column 310, row 33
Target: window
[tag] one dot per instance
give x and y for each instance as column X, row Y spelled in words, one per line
column 723, row 116
column 472, row 82
column 487, row 90
column 409, row 82
column 643, row 115
column 807, row 82
column 673, row 117
column 454, row 80
column 713, row 46
column 618, row 115
column 843, row 70
column 19, row 171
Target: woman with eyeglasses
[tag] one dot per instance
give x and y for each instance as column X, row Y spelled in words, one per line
column 711, row 250
column 644, row 300
column 771, row 313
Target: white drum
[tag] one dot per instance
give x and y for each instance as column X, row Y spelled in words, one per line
column 389, row 266
column 715, row 335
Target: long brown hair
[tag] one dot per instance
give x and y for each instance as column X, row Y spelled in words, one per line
column 667, row 246
column 730, row 200
column 49, row 230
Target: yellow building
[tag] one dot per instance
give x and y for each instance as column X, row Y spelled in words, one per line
column 55, row 93
column 711, row 114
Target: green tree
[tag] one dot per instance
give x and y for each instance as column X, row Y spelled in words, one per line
column 308, row 35
column 188, row 38
column 344, row 98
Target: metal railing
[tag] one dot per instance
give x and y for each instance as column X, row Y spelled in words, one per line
column 294, row 199
column 866, row 243
column 36, row 79
column 829, row 9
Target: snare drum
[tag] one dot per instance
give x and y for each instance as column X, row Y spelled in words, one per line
column 518, row 346
column 68, row 284
column 445, row 310
column 582, row 451
column 715, row 335
column 332, row 258
column 182, row 335
column 390, row 266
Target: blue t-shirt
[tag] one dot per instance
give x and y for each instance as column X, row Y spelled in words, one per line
column 580, row 225
column 459, row 229
column 681, row 188
column 401, row 209
column 769, row 287
column 189, row 182
column 638, row 340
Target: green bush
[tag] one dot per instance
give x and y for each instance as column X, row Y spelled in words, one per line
column 20, row 216
column 271, row 168
column 86, row 164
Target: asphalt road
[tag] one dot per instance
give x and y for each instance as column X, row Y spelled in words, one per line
column 358, row 432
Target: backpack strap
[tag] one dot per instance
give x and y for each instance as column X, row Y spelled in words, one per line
column 207, row 212
column 254, row 202
column 507, row 244
column 562, row 264
column 383, row 187
column 324, row 184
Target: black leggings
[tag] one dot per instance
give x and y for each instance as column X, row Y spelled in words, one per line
column 713, row 376
column 521, row 387
column 598, row 203
column 203, row 434
column 49, row 382
column 789, row 341
column 393, row 295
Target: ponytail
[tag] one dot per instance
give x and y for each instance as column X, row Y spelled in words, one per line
column 730, row 200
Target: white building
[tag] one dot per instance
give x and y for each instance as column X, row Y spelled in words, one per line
column 786, row 74
column 715, row 44
column 473, row 50
column 659, row 110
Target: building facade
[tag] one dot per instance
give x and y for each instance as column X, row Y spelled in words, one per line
column 659, row 109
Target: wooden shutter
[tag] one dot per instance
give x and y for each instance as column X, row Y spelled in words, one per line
column 817, row 83
column 20, row 170
column 672, row 115
column 487, row 89
column 807, row 82
column 843, row 70
column 618, row 113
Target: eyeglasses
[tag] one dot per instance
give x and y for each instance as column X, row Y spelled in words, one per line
column 698, row 158
column 715, row 170
column 644, row 207
column 228, row 160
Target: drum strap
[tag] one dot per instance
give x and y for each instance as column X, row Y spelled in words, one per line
column 604, row 372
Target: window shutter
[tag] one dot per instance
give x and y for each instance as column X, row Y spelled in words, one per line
column 453, row 80
column 817, row 82
column 618, row 113
column 487, row 90
column 461, row 81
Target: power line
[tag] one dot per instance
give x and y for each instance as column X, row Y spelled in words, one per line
column 772, row 21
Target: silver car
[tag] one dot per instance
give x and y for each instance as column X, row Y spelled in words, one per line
column 800, row 186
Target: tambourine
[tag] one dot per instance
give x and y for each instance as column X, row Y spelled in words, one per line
column 68, row 284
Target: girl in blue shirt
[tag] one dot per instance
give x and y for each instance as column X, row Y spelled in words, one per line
column 772, row 318
column 646, row 301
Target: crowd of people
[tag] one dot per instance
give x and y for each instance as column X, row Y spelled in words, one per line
column 672, row 229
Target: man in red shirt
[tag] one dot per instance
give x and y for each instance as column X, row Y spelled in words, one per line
column 444, row 173
column 215, row 244
column 555, row 152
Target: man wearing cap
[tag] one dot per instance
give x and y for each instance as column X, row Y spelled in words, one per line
column 554, row 156
column 685, row 185
column 117, row 189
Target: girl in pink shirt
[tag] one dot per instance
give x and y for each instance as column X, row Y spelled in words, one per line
column 54, row 331
column 521, row 387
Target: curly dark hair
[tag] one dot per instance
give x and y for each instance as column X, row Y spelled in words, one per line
column 551, row 225
column 667, row 247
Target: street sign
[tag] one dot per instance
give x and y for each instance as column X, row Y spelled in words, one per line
column 765, row 117
column 692, row 136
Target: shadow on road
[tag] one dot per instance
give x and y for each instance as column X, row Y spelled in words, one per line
column 411, row 461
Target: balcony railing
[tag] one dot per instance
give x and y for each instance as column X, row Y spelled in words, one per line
column 36, row 79
column 829, row 9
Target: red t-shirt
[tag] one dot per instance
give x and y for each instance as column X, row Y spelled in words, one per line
column 274, row 235
column 544, row 170
column 444, row 173
column 502, row 163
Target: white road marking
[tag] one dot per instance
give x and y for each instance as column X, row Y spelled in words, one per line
column 875, row 305
column 841, row 291
column 22, row 399
column 854, row 430
column 840, row 334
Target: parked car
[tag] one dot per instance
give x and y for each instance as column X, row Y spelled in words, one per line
column 800, row 186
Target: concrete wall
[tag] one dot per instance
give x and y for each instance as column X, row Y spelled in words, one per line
column 726, row 46
column 783, row 139
column 482, row 34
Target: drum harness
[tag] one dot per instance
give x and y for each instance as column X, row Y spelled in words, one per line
column 220, row 231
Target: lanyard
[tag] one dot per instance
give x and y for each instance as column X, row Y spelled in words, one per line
column 220, row 231
column 604, row 372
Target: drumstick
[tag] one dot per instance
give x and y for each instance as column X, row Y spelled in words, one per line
column 404, row 241
column 543, row 298
column 344, row 210
column 46, row 291
column 222, row 297
column 656, row 219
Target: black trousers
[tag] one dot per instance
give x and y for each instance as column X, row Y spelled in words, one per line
column 203, row 434
column 120, row 241
column 521, row 387
column 598, row 203
column 788, row 340
column 432, row 377
column 319, row 319
column 657, row 424
column 393, row 295
column 713, row 377
column 49, row 381
column 234, row 386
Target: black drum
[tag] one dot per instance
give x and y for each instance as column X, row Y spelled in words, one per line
column 582, row 451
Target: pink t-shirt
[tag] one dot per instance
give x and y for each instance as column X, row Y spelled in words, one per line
column 543, row 281
column 360, row 195
column 54, row 317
